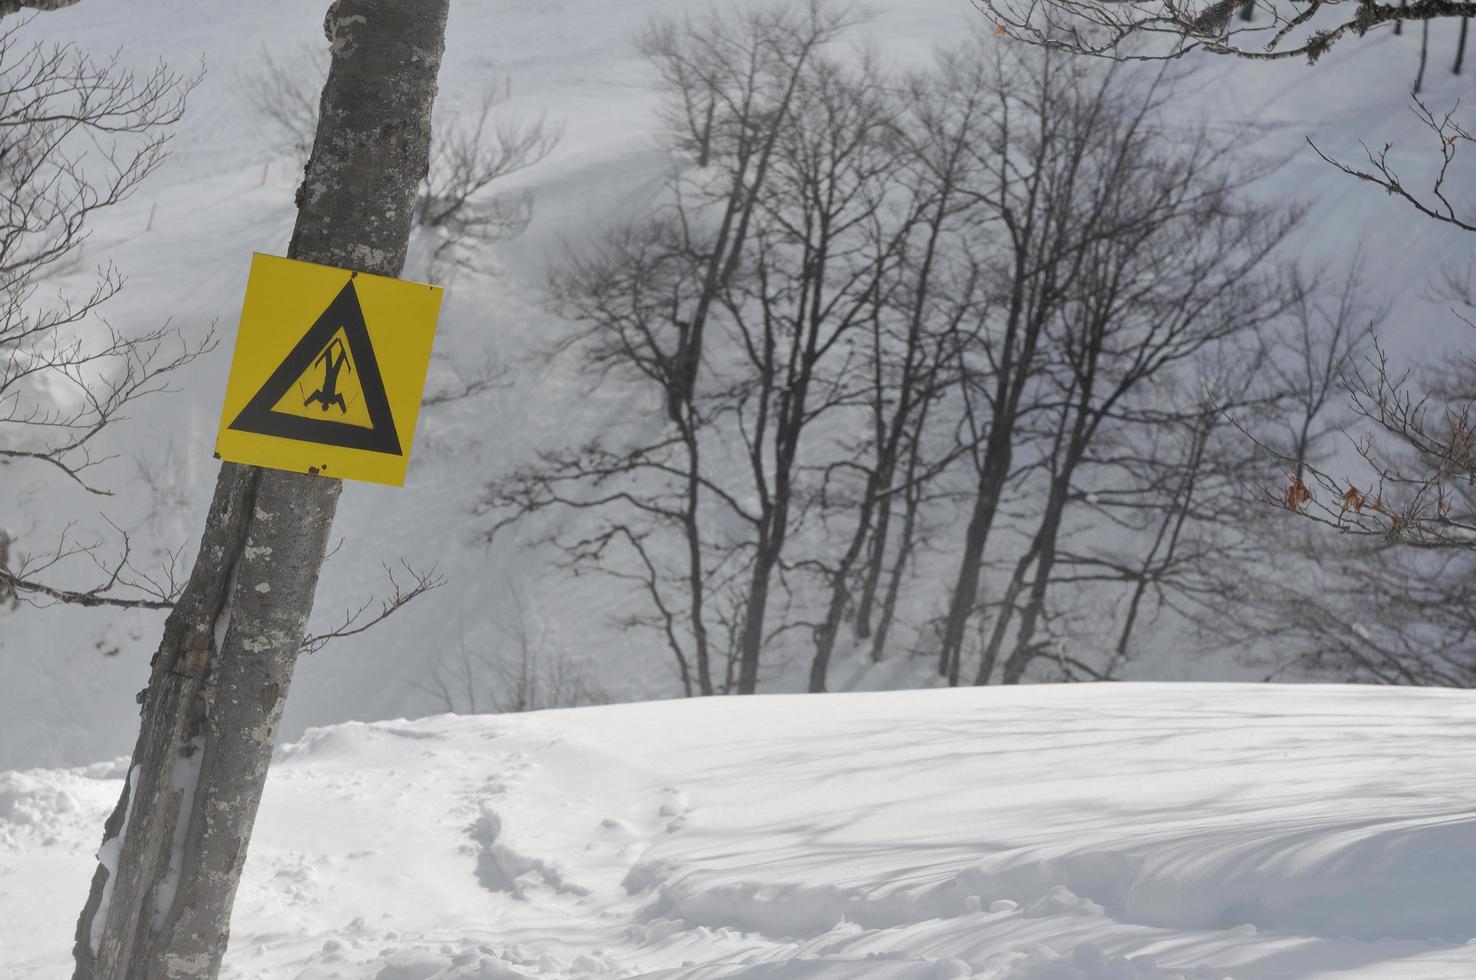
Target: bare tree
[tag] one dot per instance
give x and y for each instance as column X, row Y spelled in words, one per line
column 648, row 493
column 1142, row 29
column 916, row 472
column 645, row 301
column 1180, row 561
column 1418, row 464
column 1410, row 491
column 823, row 248
column 1173, row 474
column 281, row 91
column 174, row 846
column 731, row 82
column 77, row 136
column 1155, row 527
column 1060, row 151
column 953, row 272
column 1378, row 613
column 1384, row 601
column 1356, row 606
column 1168, row 29
column 523, row 669
column 1185, row 274
column 467, row 157
column 470, row 152
column 917, row 307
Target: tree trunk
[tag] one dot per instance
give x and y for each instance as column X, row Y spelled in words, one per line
column 728, row 250
column 965, row 596
column 773, row 531
column 696, row 583
column 704, row 142
column 752, row 641
column 1023, row 328
column 878, row 485
column 1006, row 615
column 889, row 447
column 1007, row 610
column 911, row 501
column 840, row 595
column 877, row 492
column 894, row 584
column 876, row 555
column 1424, row 54
column 1015, row 664
column 173, row 849
column 1174, row 518
column 1083, row 426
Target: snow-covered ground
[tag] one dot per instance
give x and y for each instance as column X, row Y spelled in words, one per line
column 1099, row 832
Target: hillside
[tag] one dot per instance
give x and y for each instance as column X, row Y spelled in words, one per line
column 71, row 675
column 1092, row 832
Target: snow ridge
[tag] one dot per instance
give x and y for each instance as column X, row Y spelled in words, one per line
column 1109, row 832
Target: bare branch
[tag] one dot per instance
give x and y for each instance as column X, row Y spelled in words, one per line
column 1168, row 29
column 400, row 595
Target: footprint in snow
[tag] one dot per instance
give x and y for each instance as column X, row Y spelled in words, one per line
column 674, row 808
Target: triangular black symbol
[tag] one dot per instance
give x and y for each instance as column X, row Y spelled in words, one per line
column 260, row 415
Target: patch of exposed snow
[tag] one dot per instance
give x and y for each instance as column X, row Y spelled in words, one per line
column 107, row 857
column 1096, row 832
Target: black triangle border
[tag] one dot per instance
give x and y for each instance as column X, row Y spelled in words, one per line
column 259, row 417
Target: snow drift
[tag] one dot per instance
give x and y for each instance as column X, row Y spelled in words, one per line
column 1050, row 833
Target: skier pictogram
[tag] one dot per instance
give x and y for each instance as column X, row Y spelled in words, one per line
column 329, row 395
column 335, row 348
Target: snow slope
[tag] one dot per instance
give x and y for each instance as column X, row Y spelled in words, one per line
column 1096, row 832
column 66, row 701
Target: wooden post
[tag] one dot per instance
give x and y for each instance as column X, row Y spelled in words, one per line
column 161, row 897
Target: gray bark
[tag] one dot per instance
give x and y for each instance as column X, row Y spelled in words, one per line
column 264, row 541
column 911, row 502
column 16, row 6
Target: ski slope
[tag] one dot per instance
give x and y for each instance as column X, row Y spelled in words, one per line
column 1095, row 832
column 184, row 244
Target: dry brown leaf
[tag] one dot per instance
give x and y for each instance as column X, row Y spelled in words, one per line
column 1297, row 493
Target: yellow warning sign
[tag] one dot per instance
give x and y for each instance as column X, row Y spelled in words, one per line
column 328, row 371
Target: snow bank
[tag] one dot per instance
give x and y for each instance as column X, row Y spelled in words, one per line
column 1077, row 833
